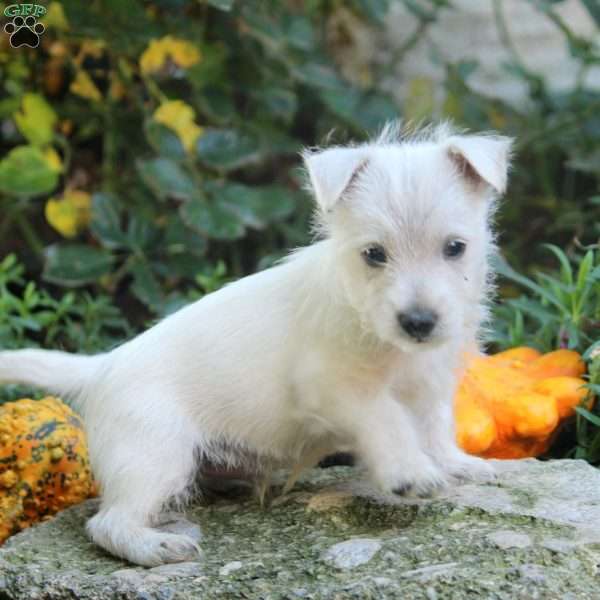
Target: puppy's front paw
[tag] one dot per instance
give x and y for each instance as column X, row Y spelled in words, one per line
column 464, row 467
column 172, row 548
column 420, row 480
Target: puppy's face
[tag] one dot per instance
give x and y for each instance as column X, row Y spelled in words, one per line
column 410, row 227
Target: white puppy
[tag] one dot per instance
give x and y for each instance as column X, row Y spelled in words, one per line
column 351, row 343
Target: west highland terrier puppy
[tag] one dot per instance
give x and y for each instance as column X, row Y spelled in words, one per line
column 353, row 343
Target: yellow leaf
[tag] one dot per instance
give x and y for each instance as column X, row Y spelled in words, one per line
column 53, row 159
column 55, row 17
column 419, row 103
column 496, row 117
column 70, row 214
column 117, row 90
column 84, row 86
column 179, row 116
column 89, row 47
column 184, row 54
column 36, row 120
column 453, row 107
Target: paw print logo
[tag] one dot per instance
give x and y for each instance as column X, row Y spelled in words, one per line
column 24, row 32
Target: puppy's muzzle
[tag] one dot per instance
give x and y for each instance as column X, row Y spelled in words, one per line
column 418, row 323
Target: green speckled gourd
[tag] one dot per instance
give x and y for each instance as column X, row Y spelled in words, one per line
column 44, row 464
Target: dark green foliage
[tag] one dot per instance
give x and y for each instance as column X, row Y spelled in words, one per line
column 264, row 87
column 559, row 309
column 78, row 321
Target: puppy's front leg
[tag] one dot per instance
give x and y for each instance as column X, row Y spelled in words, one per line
column 389, row 443
column 434, row 415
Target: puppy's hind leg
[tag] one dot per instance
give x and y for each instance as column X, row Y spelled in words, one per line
column 141, row 466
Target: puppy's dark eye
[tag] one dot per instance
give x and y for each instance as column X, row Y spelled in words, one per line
column 454, row 249
column 375, row 256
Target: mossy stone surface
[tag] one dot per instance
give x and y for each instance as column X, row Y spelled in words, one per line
column 533, row 533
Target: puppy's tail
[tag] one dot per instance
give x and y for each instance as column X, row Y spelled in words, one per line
column 66, row 375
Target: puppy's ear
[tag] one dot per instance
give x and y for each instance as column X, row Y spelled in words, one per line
column 332, row 172
column 481, row 159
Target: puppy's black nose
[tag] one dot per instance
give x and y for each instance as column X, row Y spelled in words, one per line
column 418, row 323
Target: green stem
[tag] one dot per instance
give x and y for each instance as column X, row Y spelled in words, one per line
column 7, row 220
column 505, row 36
column 67, row 154
column 534, row 80
column 109, row 148
column 154, row 90
column 29, row 233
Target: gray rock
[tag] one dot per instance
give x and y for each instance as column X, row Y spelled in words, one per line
column 230, row 567
column 429, row 572
column 352, row 553
column 509, row 539
column 134, row 577
column 183, row 569
column 535, row 573
column 532, row 533
column 557, row 545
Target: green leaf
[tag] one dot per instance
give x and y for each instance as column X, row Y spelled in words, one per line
column 36, row 120
column 279, row 103
column 365, row 112
column 584, row 270
column 318, row 75
column 212, row 69
column 591, row 417
column 8, row 106
column 211, row 218
column 299, row 32
column 165, row 178
column 228, row 149
column 375, row 110
column 26, row 172
column 593, row 7
column 217, row 102
column 565, row 266
column 263, row 28
column 145, row 286
column 342, row 102
column 504, row 269
column 587, row 355
column 255, row 206
column 180, row 240
column 75, row 264
column 585, row 281
column 375, row 10
column 166, row 142
column 141, row 232
column 595, row 274
column 225, row 5
column 106, row 221
column 594, row 450
column 534, row 309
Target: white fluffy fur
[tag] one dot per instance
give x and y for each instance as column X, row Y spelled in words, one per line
column 304, row 358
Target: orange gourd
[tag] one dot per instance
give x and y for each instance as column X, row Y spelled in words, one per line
column 44, row 463
column 509, row 405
